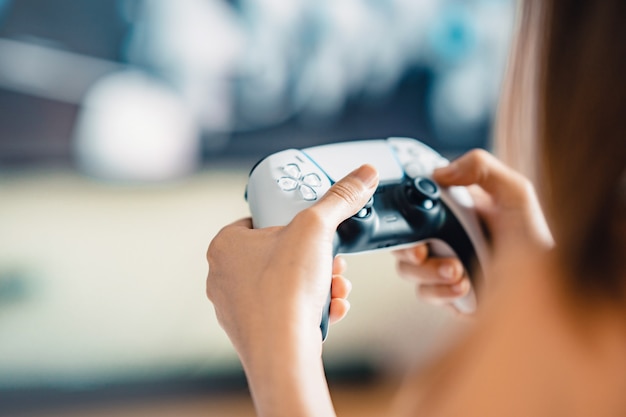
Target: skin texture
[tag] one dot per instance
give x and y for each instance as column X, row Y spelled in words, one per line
column 268, row 287
column 507, row 204
column 549, row 336
column 531, row 351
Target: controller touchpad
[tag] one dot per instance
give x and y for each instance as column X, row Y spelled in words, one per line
column 339, row 159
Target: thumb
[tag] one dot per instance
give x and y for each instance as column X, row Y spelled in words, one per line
column 347, row 196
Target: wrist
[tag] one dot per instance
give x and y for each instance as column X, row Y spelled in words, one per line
column 286, row 376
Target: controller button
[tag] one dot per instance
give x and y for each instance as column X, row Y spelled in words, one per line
column 390, row 218
column 414, row 169
column 307, row 192
column 294, row 180
column 427, row 187
column 366, row 210
column 292, row 170
column 422, row 193
column 415, row 151
column 428, row 204
column 288, row 183
column 312, row 180
column 363, row 213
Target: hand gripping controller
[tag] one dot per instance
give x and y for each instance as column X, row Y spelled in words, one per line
column 407, row 207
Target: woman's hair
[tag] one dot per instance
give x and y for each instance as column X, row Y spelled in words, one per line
column 562, row 122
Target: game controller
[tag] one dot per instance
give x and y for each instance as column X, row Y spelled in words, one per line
column 407, row 208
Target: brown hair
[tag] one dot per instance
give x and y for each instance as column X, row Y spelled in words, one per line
column 562, row 122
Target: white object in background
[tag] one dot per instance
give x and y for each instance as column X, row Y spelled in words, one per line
column 133, row 127
column 196, row 45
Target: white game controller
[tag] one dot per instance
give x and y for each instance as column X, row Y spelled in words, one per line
column 407, row 208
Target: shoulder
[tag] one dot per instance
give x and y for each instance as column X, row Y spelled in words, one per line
column 526, row 355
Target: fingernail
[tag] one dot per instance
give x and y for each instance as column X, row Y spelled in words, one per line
column 419, row 254
column 447, row 272
column 368, row 175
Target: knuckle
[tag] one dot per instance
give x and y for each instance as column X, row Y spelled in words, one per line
column 521, row 192
column 425, row 293
column 464, row 286
column 210, row 292
column 478, row 153
column 214, row 253
column 526, row 187
column 217, row 245
column 214, row 249
column 310, row 217
column 457, row 268
column 477, row 164
column 211, row 289
column 210, row 251
column 401, row 269
column 479, row 156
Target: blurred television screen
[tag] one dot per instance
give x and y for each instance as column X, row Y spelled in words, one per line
column 241, row 79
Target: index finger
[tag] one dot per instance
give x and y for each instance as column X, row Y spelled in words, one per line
column 415, row 254
column 485, row 170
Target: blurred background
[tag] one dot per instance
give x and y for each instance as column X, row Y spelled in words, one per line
column 127, row 130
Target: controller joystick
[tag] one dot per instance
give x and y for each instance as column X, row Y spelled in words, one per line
column 419, row 202
column 423, row 193
column 407, row 208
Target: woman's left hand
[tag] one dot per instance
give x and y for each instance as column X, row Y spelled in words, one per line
column 269, row 285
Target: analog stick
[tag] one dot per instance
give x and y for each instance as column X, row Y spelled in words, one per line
column 423, row 193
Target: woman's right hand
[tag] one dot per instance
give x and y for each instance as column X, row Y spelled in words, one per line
column 506, row 204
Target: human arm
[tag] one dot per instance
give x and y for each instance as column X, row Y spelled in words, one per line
column 268, row 287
